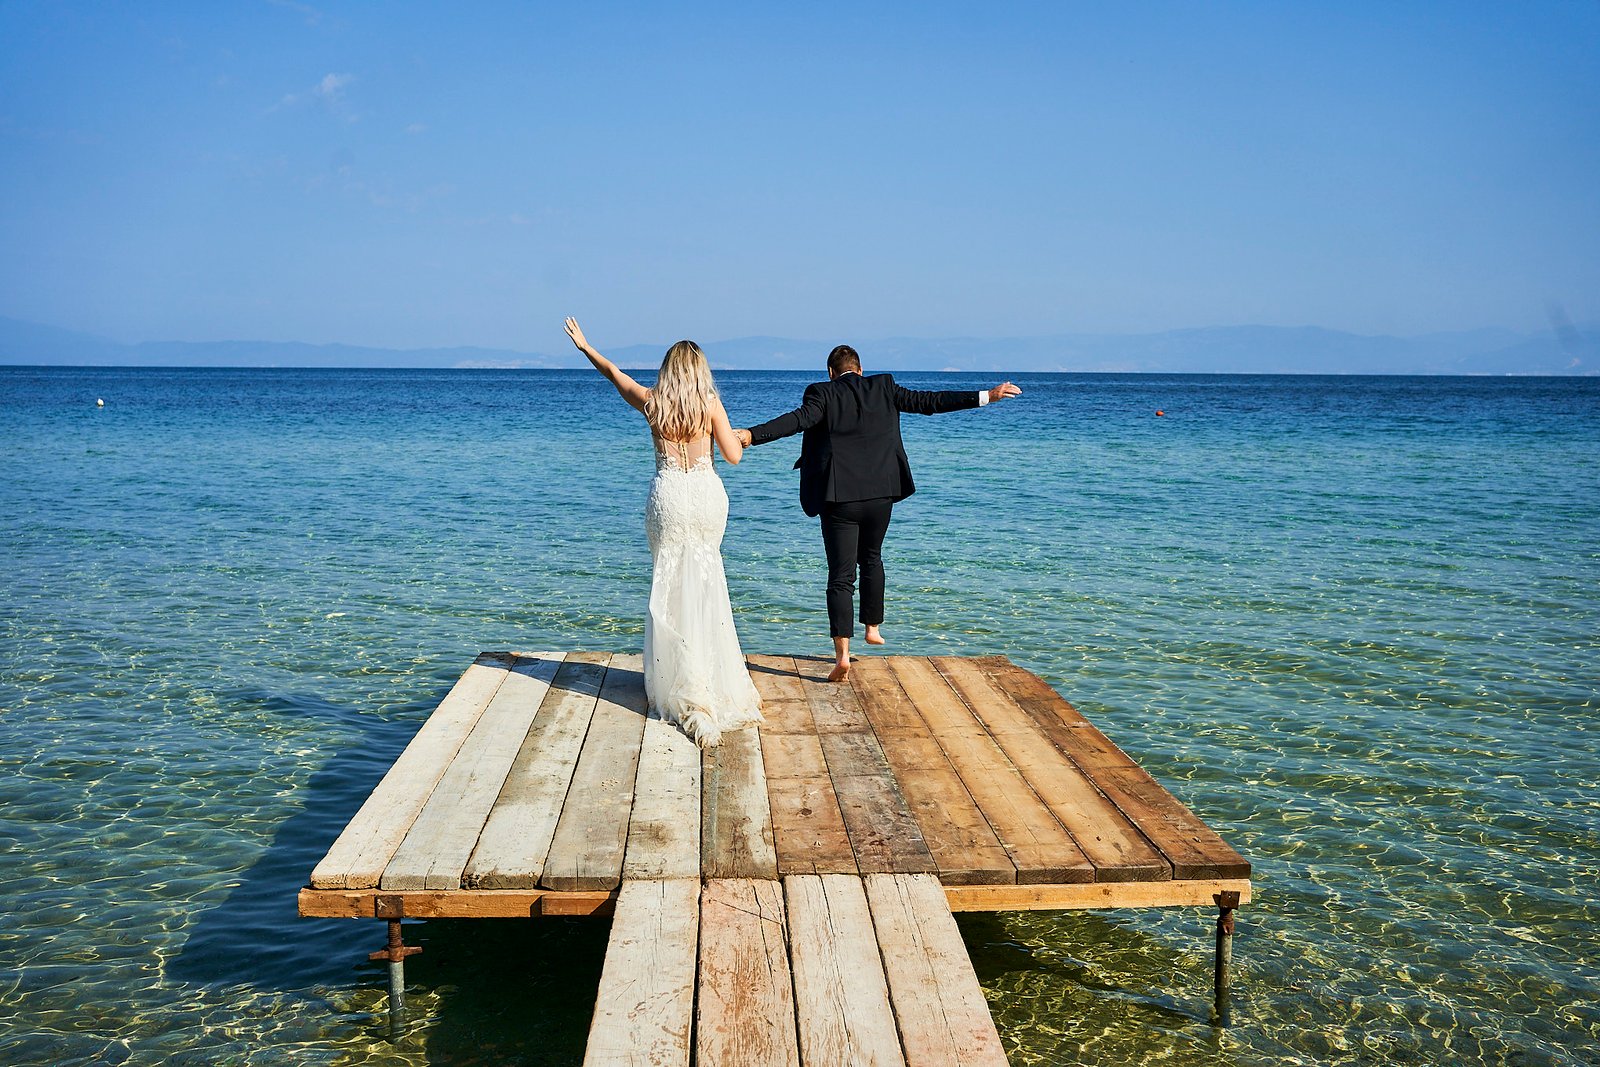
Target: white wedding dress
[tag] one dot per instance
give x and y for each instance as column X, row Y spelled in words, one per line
column 694, row 671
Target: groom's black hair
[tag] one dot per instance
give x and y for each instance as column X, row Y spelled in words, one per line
column 843, row 359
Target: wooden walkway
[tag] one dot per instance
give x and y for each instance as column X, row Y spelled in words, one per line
column 746, row 879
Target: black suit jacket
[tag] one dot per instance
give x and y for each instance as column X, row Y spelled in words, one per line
column 852, row 448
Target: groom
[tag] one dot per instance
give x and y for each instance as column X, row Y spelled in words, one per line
column 853, row 469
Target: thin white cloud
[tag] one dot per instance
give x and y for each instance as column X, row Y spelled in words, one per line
column 416, row 128
column 329, row 92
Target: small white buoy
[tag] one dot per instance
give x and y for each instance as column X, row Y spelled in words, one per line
column 99, row 403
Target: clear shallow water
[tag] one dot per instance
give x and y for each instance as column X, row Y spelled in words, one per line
column 1350, row 621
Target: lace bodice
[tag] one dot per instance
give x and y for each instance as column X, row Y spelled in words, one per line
column 682, row 455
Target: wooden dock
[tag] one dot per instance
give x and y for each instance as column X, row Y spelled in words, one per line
column 745, row 879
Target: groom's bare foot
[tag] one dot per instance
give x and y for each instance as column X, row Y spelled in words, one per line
column 873, row 636
column 841, row 660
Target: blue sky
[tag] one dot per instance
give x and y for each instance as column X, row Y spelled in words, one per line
column 413, row 175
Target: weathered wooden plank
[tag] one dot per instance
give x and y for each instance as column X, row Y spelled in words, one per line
column 735, row 815
column 644, row 1013
column 511, row 851
column 1119, row 852
column 807, row 828
column 364, row 848
column 1068, row 729
column 454, row 903
column 775, row 677
column 592, row 835
column 436, row 848
column 841, row 997
column 1034, row 840
column 745, row 1013
column 784, row 709
column 963, row 844
column 943, row 1017
column 664, row 833
column 833, row 707
column 1094, row 895
column 1193, row 849
column 883, row 832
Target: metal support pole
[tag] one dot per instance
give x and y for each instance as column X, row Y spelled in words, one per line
column 1226, row 903
column 395, row 952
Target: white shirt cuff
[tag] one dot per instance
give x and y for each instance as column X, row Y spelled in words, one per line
column 983, row 397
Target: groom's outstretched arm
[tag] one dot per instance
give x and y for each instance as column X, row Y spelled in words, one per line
column 937, row 402
column 807, row 415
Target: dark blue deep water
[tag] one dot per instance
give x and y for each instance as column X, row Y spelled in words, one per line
column 1351, row 621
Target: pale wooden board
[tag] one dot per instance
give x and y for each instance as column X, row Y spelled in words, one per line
column 807, row 828
column 592, row 835
column 644, row 1014
column 735, row 816
column 841, row 997
column 358, row 857
column 1033, row 838
column 1193, row 849
column 664, row 832
column 511, row 851
column 436, row 848
column 943, row 1017
column 1119, row 852
column 833, row 705
column 962, row 842
column 775, row 678
column 745, row 1015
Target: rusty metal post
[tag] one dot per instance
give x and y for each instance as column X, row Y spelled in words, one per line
column 1222, row 1009
column 395, row 952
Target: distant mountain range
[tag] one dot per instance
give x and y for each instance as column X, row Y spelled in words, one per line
column 1220, row 349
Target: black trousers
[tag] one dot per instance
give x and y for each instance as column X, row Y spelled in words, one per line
column 852, row 534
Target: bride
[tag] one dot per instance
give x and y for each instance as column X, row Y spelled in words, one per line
column 694, row 672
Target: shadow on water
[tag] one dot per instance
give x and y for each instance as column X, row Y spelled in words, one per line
column 484, row 991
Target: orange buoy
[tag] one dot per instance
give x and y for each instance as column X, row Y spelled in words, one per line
column 1160, row 412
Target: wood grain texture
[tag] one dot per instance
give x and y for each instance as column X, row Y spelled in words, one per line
column 841, row 996
column 435, row 851
column 940, row 1008
column 745, row 1012
column 1119, row 852
column 963, row 844
column 644, row 1014
column 1093, row 895
column 366, row 845
column 883, row 833
column 515, row 842
column 736, row 838
column 592, row 835
column 664, row 833
column 1192, row 848
column 1033, row 838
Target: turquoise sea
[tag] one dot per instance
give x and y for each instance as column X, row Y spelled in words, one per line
column 1351, row 621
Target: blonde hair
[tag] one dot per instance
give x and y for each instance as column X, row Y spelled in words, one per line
column 679, row 408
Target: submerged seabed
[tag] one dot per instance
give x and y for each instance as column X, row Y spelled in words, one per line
column 1350, row 621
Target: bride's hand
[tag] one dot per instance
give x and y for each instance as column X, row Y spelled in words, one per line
column 575, row 332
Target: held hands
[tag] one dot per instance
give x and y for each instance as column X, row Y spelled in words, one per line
column 744, row 438
column 575, row 332
column 999, row 392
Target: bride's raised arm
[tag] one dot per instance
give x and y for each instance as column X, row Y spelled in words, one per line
column 726, row 436
column 631, row 391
